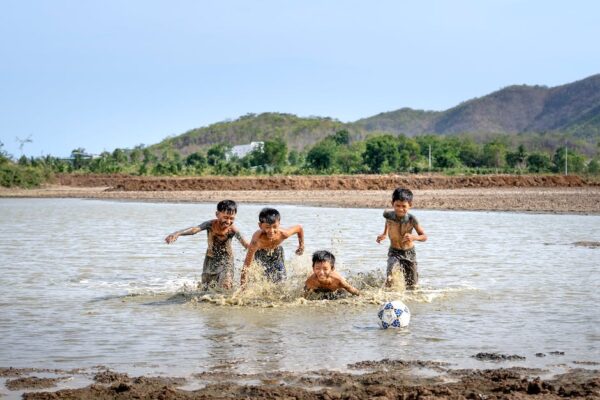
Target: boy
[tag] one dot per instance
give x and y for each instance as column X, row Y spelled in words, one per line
column 265, row 246
column 325, row 278
column 218, row 262
column 399, row 226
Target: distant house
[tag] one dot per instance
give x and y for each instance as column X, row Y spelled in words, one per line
column 243, row 150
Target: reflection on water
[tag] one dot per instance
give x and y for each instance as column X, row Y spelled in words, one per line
column 92, row 282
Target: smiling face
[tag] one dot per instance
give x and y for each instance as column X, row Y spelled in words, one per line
column 270, row 230
column 322, row 270
column 401, row 207
column 225, row 219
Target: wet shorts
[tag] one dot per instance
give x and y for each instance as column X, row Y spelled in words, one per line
column 272, row 261
column 217, row 271
column 406, row 262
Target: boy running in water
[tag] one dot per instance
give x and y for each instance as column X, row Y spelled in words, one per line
column 399, row 226
column 265, row 246
column 218, row 261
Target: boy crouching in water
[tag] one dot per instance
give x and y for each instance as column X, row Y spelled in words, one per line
column 265, row 246
column 218, row 261
column 325, row 279
column 399, row 226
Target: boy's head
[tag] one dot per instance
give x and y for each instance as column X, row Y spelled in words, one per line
column 402, row 201
column 323, row 262
column 268, row 221
column 226, row 212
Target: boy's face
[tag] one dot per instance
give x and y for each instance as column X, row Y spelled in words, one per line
column 225, row 219
column 322, row 270
column 270, row 230
column 401, row 207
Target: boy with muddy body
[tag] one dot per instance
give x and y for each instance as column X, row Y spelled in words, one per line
column 265, row 246
column 399, row 226
column 325, row 279
column 218, row 261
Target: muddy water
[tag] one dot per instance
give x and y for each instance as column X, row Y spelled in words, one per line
column 86, row 283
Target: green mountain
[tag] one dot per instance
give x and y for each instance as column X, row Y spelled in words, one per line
column 297, row 132
column 573, row 108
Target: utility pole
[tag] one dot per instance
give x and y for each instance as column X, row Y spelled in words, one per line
column 429, row 158
column 566, row 162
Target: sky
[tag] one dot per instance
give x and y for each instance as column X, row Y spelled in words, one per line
column 109, row 74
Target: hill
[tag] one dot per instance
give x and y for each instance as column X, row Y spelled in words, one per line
column 572, row 109
column 297, row 132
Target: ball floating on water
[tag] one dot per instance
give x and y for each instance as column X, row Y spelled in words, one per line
column 393, row 314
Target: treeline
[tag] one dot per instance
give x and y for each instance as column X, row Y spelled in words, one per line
column 335, row 154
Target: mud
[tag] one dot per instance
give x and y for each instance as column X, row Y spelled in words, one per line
column 32, row 382
column 497, row 357
column 338, row 182
column 386, row 379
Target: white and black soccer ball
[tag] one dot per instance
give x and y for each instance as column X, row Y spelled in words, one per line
column 393, row 314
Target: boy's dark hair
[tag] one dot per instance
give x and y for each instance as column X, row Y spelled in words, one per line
column 227, row 206
column 269, row 215
column 402, row 195
column 323, row 255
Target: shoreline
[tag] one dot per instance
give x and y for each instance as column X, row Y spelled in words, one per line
column 363, row 380
column 560, row 200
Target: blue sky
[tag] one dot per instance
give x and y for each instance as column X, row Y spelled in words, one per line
column 108, row 74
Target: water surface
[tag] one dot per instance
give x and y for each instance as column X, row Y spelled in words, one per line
column 88, row 283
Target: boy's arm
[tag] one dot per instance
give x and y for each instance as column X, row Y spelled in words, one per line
column 382, row 237
column 252, row 247
column 240, row 238
column 300, row 232
column 420, row 236
column 351, row 289
column 184, row 232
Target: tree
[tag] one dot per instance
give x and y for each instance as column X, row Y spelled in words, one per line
column 321, row 156
column 197, row 160
column 539, row 162
column 217, row 153
column 518, row 158
column 408, row 152
column 4, row 157
column 575, row 161
column 381, row 154
column 78, row 158
column 494, row 154
column 341, row 137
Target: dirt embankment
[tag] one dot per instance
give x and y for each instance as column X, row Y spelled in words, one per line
column 338, row 182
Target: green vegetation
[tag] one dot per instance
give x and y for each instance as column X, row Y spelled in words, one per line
column 335, row 154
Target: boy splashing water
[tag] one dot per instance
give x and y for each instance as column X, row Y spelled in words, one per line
column 399, row 226
column 265, row 246
column 325, row 279
column 218, row 262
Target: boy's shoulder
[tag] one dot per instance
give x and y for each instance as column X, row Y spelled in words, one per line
column 207, row 224
column 408, row 218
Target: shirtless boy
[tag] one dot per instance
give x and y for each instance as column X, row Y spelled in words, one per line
column 399, row 226
column 218, row 262
column 265, row 246
column 325, row 279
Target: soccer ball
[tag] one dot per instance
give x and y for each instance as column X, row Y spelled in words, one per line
column 393, row 314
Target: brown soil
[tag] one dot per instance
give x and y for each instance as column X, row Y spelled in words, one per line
column 554, row 194
column 339, row 182
column 386, row 379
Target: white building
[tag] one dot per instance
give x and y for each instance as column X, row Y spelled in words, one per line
column 243, row 149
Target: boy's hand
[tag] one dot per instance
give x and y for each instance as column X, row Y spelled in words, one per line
column 408, row 238
column 171, row 238
column 300, row 250
column 380, row 238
